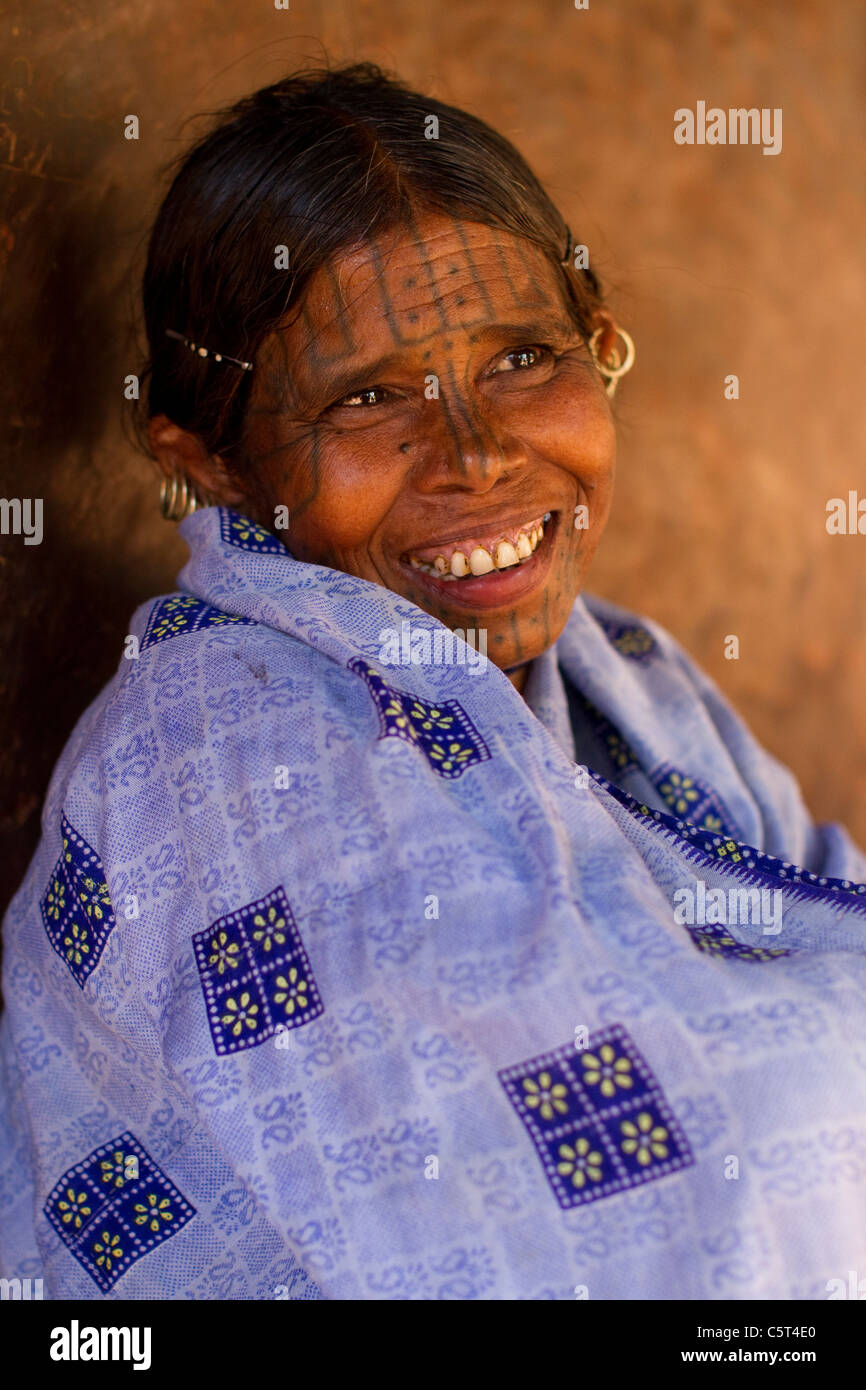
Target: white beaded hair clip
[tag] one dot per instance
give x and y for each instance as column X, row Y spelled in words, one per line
column 208, row 352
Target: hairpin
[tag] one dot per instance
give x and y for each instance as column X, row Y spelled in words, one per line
column 566, row 260
column 208, row 352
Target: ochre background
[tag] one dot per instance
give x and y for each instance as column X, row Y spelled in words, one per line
column 718, row 259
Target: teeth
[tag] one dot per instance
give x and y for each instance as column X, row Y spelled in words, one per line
column 505, row 555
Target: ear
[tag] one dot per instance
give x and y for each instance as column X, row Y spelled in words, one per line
column 609, row 333
column 179, row 452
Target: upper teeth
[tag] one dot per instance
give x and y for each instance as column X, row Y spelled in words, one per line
column 468, row 559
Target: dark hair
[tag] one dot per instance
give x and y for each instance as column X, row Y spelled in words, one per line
column 319, row 162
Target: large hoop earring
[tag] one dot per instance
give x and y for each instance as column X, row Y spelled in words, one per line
column 613, row 369
column 178, row 498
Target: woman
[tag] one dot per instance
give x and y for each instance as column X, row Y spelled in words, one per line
column 406, row 924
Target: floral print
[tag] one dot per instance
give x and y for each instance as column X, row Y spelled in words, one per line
column 291, row 992
column 580, row 1162
column 644, row 1138
column 545, row 1095
column 607, row 1071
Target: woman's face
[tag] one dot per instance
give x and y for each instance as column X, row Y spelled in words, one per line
column 434, row 400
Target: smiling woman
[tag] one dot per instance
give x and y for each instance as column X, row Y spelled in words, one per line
column 359, row 982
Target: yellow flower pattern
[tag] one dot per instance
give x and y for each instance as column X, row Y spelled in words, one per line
column 153, row 1210
column 269, row 929
column 273, row 985
column 115, row 1206
column 107, row 1250
column 77, row 945
column 239, row 1013
column 55, row 901
column 545, row 1096
column 679, row 792
column 597, row 1117
column 580, row 1162
column 113, row 1169
column 606, row 1070
column 76, row 905
column 291, row 993
column 645, row 1139
column 444, row 733
column 224, row 957
column 75, row 1209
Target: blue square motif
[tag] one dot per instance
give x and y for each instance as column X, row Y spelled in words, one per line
column 715, row 940
column 244, row 534
column 181, row 613
column 115, row 1206
column 630, row 639
column 444, row 733
column 691, row 800
column 76, row 906
column 597, row 1117
column 255, row 974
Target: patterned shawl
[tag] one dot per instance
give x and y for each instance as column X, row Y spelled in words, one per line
column 331, row 978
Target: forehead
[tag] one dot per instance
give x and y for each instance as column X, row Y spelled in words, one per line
column 414, row 285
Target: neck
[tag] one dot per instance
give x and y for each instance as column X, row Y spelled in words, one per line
column 517, row 675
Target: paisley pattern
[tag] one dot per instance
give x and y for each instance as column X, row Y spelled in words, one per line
column 328, row 914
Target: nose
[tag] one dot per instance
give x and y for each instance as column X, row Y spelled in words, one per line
column 465, row 446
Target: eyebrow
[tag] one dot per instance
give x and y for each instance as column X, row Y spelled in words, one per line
column 338, row 382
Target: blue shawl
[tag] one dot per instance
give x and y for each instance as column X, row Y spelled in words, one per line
column 332, row 978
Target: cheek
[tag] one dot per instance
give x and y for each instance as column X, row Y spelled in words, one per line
column 343, row 494
column 567, row 424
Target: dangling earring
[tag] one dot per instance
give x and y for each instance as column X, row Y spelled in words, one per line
column 613, row 369
column 178, row 498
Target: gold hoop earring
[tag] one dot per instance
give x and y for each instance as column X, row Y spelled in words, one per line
column 613, row 369
column 178, row 498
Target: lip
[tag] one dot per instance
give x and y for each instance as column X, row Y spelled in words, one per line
column 499, row 587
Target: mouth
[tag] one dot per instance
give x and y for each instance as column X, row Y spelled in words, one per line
column 487, row 569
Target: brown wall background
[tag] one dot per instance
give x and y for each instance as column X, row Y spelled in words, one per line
column 719, row 260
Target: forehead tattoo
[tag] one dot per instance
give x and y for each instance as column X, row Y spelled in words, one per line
column 328, row 346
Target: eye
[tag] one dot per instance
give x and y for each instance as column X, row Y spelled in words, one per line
column 363, row 399
column 522, row 358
